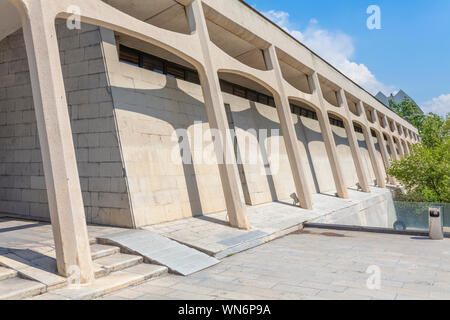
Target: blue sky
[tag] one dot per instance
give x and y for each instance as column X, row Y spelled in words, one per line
column 410, row 52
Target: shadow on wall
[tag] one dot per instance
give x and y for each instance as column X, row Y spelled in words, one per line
column 174, row 122
column 185, row 118
column 173, row 107
column 305, row 135
column 23, row 190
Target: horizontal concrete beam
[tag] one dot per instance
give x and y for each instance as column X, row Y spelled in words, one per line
column 233, row 14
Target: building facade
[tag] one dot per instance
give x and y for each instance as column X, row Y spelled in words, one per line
column 105, row 108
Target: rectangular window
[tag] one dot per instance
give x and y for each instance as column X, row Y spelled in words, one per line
column 156, row 64
column 358, row 128
column 262, row 98
column 252, row 95
column 152, row 64
column 239, row 91
column 129, row 55
column 226, row 87
column 192, row 76
column 175, row 71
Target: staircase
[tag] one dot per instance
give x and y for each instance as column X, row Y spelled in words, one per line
column 113, row 271
column 13, row 286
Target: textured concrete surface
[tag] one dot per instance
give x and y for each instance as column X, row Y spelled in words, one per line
column 161, row 250
column 22, row 185
column 213, row 235
column 27, row 250
column 149, row 107
column 316, row 264
column 30, row 244
column 111, row 194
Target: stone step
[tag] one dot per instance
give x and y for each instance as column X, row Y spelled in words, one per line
column 101, row 250
column 160, row 250
column 19, row 288
column 41, row 270
column 115, row 281
column 115, row 262
column 6, row 273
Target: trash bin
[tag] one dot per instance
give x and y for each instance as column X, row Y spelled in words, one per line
column 436, row 222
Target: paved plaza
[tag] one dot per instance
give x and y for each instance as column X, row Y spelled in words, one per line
column 309, row 264
column 316, row 264
column 212, row 233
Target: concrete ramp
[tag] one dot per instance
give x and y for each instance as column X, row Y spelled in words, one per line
column 158, row 249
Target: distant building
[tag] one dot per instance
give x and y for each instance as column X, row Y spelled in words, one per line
column 396, row 97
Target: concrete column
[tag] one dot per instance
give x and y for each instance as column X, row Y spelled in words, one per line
column 382, row 143
column 405, row 147
column 289, row 135
column 408, row 151
column 385, row 155
column 400, row 148
column 328, row 138
column 217, row 119
column 65, row 202
column 383, row 146
column 380, row 174
column 353, row 142
column 398, row 134
column 391, row 142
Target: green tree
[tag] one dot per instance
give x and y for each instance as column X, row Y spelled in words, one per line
column 433, row 130
column 409, row 111
column 425, row 173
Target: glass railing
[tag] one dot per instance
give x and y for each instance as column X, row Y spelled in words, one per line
column 414, row 216
column 389, row 215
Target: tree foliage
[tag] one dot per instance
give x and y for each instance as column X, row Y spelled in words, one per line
column 425, row 173
column 433, row 131
column 409, row 111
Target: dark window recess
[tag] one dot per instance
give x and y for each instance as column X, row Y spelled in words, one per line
column 252, row 95
column 226, row 87
column 373, row 133
column 239, row 91
column 175, row 71
column 263, row 99
column 358, row 128
column 300, row 111
column 129, row 56
column 192, row 76
column 149, row 62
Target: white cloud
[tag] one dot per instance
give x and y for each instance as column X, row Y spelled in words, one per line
column 439, row 105
column 335, row 47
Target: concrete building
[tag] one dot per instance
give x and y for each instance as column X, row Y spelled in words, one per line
column 88, row 116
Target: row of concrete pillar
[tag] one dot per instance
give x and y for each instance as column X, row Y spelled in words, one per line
column 60, row 166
